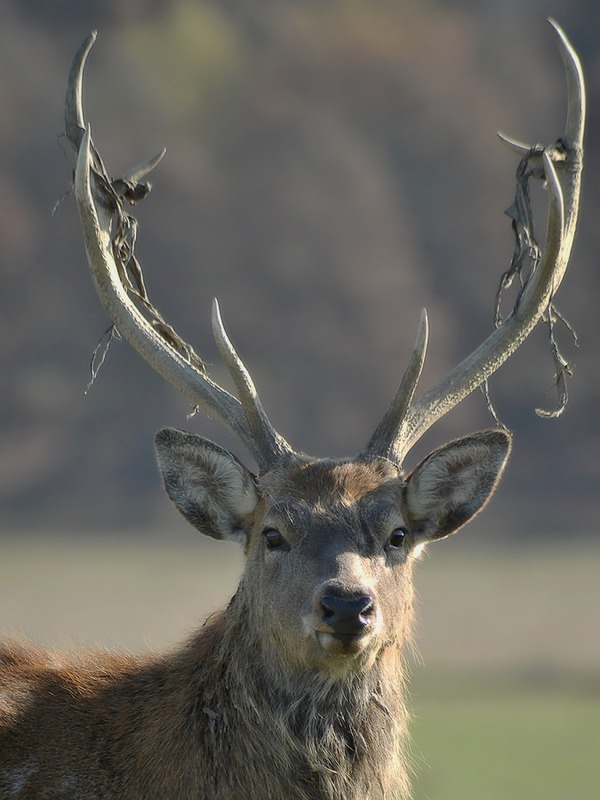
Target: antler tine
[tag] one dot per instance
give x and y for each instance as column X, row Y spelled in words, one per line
column 262, row 430
column 520, row 148
column 575, row 123
column 562, row 165
column 74, row 118
column 388, row 436
column 100, row 211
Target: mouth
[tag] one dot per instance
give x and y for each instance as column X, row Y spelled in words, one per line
column 342, row 644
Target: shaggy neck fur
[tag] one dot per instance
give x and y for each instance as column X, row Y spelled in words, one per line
column 319, row 737
column 220, row 719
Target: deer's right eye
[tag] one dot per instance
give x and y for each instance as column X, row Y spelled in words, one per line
column 397, row 538
column 273, row 538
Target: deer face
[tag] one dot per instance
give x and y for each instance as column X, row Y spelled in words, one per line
column 329, row 553
column 330, row 545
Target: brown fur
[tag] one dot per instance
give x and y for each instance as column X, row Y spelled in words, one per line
column 262, row 702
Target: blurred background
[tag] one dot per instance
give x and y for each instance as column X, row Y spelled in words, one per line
column 332, row 168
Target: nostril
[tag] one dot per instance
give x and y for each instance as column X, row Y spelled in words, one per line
column 327, row 605
column 369, row 607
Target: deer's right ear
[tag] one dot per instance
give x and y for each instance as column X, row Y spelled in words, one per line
column 207, row 484
column 454, row 483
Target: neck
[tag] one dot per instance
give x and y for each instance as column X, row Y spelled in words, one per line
column 298, row 733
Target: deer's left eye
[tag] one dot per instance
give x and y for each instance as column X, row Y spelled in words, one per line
column 273, row 538
column 397, row 538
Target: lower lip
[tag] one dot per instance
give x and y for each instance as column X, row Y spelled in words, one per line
column 341, row 644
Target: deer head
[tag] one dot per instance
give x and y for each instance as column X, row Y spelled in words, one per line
column 329, row 543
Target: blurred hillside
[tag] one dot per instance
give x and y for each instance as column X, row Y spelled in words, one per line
column 332, row 167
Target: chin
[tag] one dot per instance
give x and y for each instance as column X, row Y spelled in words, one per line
column 341, row 653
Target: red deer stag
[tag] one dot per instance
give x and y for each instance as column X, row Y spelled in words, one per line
column 296, row 689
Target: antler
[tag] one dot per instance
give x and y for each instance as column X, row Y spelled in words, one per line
column 109, row 235
column 560, row 164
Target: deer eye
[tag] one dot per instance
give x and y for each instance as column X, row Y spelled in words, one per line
column 273, row 538
column 397, row 538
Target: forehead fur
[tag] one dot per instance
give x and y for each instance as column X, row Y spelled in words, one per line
column 321, row 482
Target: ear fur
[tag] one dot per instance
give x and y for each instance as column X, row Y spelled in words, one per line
column 454, row 483
column 207, row 484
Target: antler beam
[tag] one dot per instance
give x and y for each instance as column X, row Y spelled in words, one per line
column 560, row 164
column 109, row 234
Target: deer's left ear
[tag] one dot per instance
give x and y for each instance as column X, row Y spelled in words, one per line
column 454, row 483
column 207, row 484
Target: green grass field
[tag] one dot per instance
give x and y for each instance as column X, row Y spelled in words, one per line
column 506, row 694
column 507, row 740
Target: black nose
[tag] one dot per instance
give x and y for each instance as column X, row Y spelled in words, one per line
column 347, row 615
